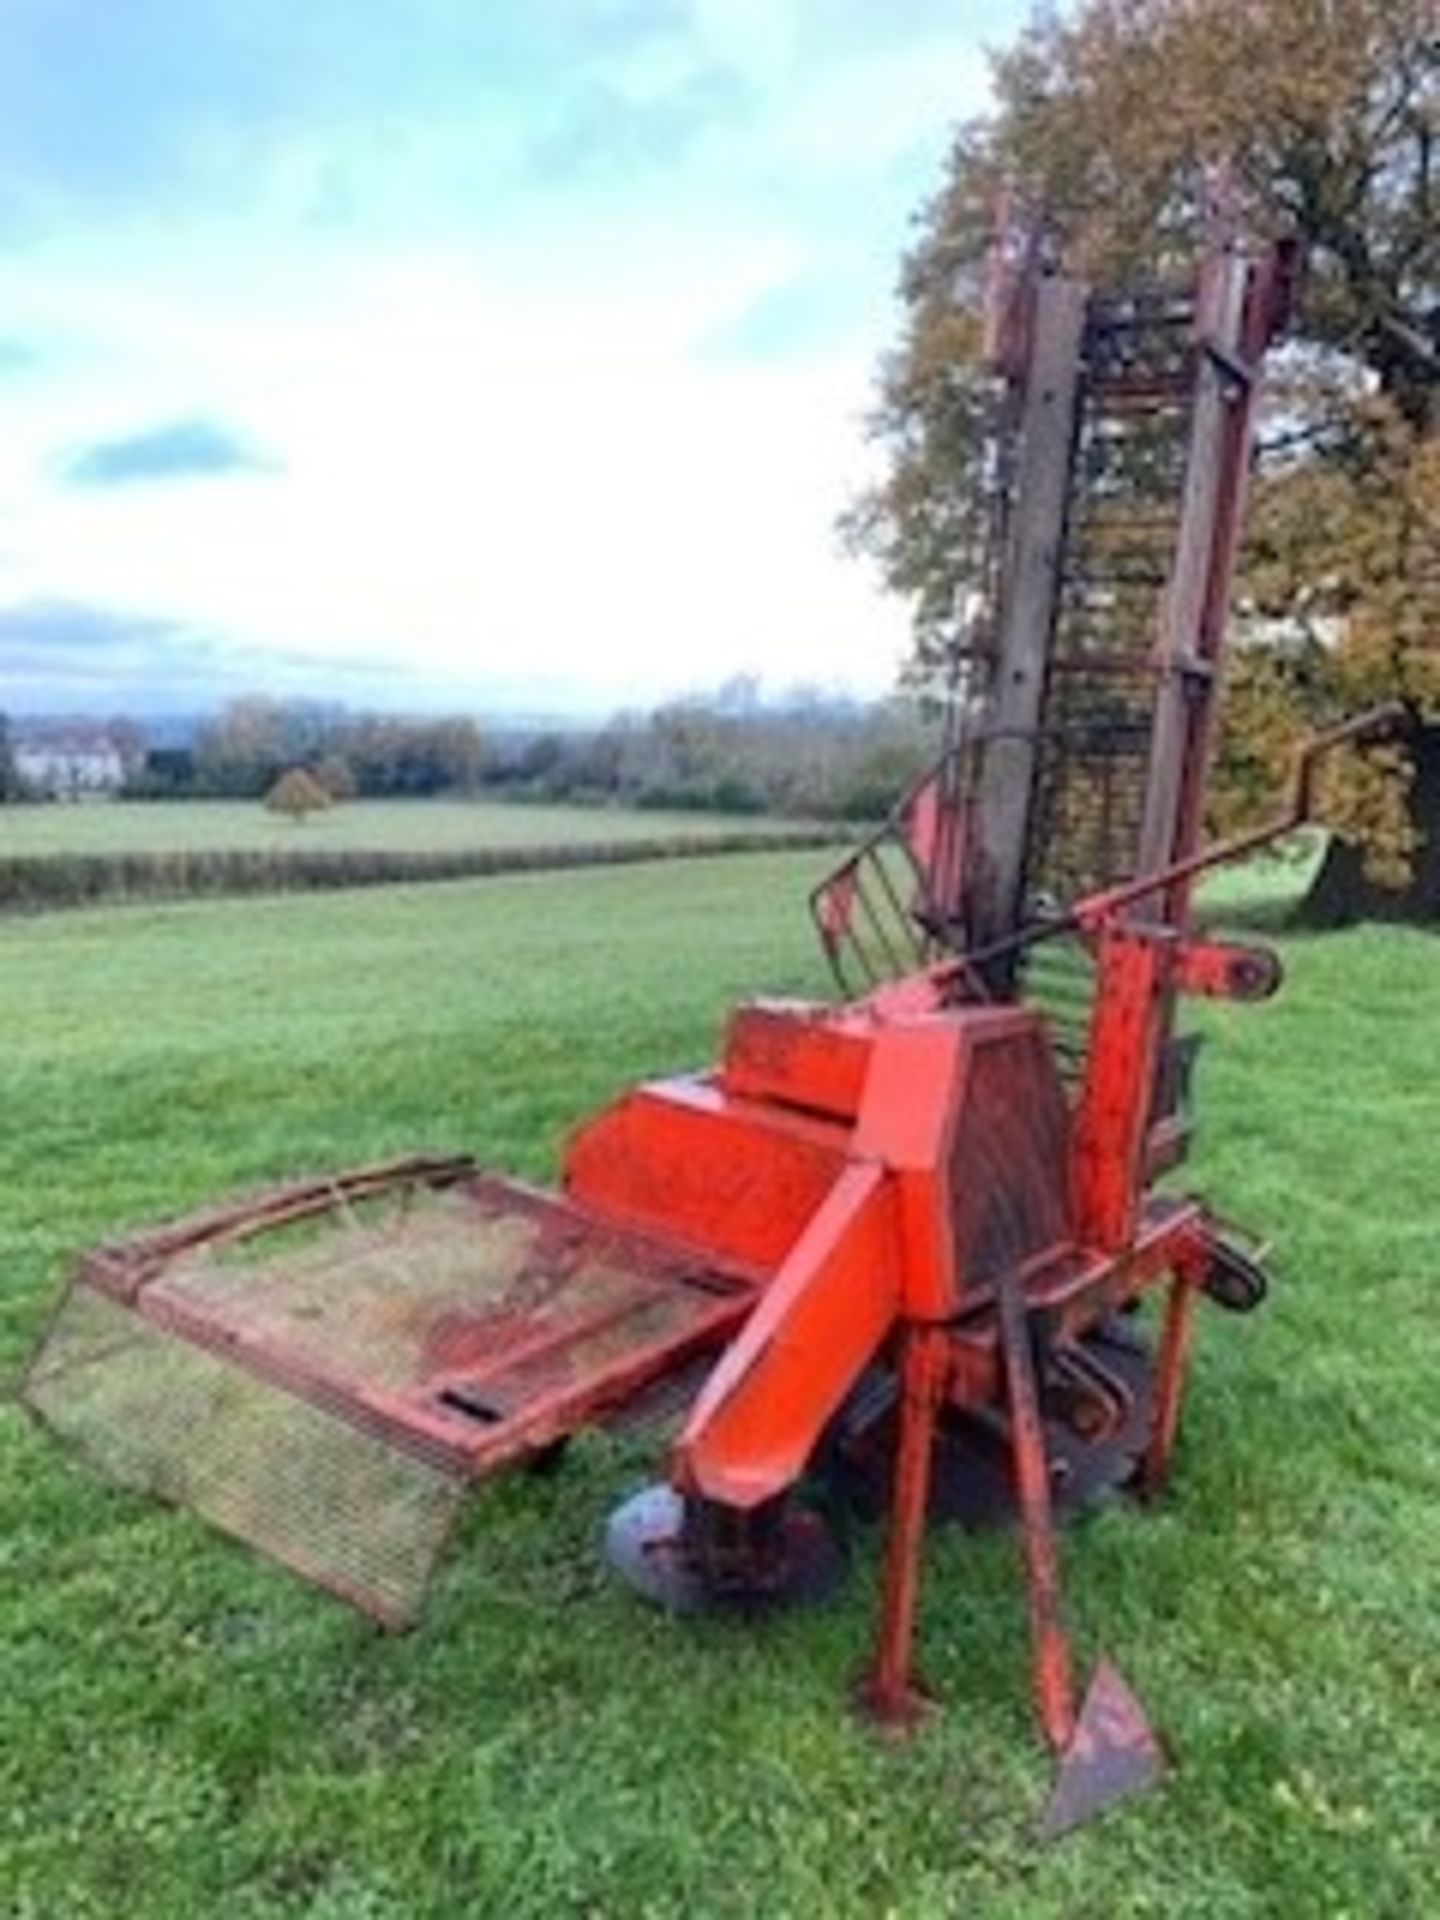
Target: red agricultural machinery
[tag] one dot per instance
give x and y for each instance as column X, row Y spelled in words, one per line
column 895, row 1242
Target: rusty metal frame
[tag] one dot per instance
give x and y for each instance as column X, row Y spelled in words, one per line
column 146, row 1275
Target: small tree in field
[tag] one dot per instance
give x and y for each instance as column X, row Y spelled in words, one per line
column 298, row 794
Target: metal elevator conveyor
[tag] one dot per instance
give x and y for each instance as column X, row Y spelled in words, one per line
column 1080, row 705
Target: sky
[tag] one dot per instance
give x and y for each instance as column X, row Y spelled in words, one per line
column 507, row 355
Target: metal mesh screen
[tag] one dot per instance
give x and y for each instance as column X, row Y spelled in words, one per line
column 349, row 1511
column 1127, row 491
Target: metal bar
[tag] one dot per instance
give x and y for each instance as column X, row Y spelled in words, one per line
column 882, row 939
column 1006, row 787
column 890, row 1693
column 1108, row 1144
column 1213, row 486
column 607, row 1390
column 902, row 914
column 1170, row 1381
column 1050, row 1669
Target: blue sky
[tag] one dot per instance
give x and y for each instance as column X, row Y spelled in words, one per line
column 452, row 351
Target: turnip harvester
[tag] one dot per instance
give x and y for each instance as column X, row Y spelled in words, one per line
column 896, row 1241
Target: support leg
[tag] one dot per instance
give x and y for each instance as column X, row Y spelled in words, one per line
column 889, row 1691
column 1054, row 1691
column 1170, row 1382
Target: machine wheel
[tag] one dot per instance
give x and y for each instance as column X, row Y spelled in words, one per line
column 697, row 1556
column 1234, row 1280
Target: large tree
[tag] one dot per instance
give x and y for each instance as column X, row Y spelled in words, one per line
column 1327, row 116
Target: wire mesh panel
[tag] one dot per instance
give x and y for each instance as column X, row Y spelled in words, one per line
column 351, row 1511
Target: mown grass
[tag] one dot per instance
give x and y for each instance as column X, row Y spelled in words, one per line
column 185, row 1730
column 394, row 826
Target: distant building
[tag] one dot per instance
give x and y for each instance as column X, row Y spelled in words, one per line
column 69, row 762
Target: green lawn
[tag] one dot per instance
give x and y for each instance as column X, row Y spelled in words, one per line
column 401, row 826
column 186, row 1731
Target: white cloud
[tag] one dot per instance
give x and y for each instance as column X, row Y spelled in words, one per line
column 504, row 449
column 472, row 484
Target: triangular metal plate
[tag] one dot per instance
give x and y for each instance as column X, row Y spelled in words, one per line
column 1112, row 1754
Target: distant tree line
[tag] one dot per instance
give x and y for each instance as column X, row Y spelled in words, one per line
column 806, row 755
column 253, row 743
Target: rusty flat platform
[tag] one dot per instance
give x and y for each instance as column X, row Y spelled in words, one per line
column 474, row 1318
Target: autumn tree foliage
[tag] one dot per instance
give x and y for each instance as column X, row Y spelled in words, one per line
column 1327, row 116
column 297, row 794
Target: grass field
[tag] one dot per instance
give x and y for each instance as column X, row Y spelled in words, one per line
column 400, row 826
column 187, row 1731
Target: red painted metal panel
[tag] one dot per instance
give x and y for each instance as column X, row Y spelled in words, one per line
column 802, row 1055
column 731, row 1179
column 759, row 1416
